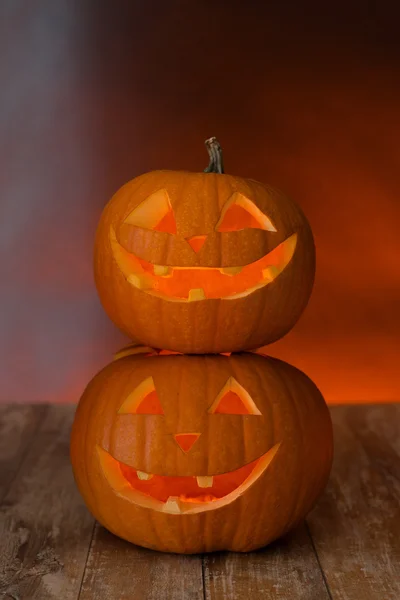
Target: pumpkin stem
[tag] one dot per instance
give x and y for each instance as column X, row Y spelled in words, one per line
column 214, row 150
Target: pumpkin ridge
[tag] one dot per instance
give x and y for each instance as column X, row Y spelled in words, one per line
column 155, row 317
column 294, row 423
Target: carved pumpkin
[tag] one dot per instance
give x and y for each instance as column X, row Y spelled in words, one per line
column 200, row 453
column 203, row 262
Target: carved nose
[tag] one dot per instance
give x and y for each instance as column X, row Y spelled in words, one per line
column 186, row 440
column 196, row 242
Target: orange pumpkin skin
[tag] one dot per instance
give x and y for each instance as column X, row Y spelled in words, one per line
column 155, row 305
column 268, row 466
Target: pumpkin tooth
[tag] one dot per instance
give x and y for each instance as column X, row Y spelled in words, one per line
column 276, row 269
column 269, row 273
column 140, row 281
column 144, row 476
column 205, row 481
column 172, row 505
column 231, row 270
column 161, row 270
column 196, row 294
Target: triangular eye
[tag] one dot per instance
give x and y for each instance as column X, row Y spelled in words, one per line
column 241, row 213
column 233, row 400
column 231, row 404
column 167, row 223
column 143, row 400
column 154, row 213
column 150, row 405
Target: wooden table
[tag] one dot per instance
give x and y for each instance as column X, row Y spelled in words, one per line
column 51, row 548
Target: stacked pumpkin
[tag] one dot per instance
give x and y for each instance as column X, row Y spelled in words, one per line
column 189, row 442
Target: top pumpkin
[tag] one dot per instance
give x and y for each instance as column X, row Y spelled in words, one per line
column 203, row 262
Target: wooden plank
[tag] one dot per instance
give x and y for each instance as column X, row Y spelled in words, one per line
column 45, row 530
column 356, row 525
column 287, row 569
column 18, row 424
column 117, row 569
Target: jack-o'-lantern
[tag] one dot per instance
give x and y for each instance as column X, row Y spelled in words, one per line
column 203, row 262
column 200, row 453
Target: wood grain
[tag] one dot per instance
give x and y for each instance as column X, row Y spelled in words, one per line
column 18, row 424
column 45, row 530
column 287, row 569
column 117, row 569
column 356, row 525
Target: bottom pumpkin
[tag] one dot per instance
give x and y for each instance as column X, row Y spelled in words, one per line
column 199, row 453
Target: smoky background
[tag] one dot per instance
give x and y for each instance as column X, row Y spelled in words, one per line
column 303, row 96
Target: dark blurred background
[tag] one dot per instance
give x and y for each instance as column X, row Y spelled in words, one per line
column 302, row 95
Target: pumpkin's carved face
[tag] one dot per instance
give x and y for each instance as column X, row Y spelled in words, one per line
column 197, row 283
column 186, row 494
column 182, row 453
column 196, row 251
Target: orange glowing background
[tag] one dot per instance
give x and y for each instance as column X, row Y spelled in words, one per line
column 304, row 96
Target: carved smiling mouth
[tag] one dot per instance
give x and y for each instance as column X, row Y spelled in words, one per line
column 188, row 284
column 185, row 494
